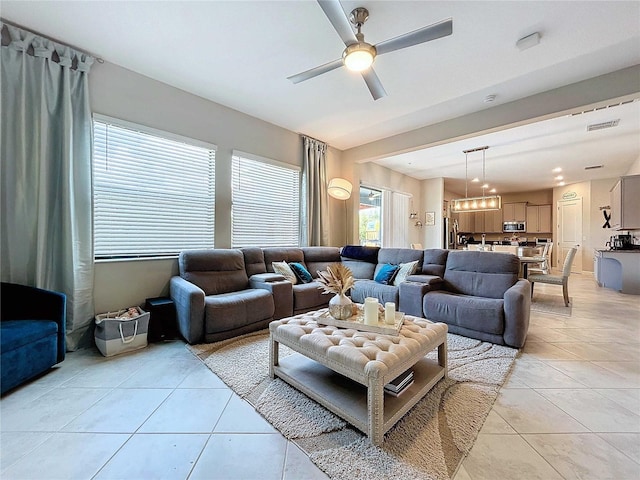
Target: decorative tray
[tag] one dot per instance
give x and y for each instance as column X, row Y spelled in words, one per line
column 357, row 323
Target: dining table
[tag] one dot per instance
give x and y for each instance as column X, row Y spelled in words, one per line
column 526, row 261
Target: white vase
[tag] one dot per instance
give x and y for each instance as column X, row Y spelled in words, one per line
column 340, row 307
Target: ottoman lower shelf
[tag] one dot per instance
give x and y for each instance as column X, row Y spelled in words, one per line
column 347, row 398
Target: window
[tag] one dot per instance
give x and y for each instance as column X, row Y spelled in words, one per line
column 370, row 216
column 384, row 218
column 153, row 191
column 266, row 202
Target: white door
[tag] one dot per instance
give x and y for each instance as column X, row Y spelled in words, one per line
column 569, row 232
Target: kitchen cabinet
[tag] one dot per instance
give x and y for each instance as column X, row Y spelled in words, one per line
column 514, row 212
column 625, row 198
column 480, row 222
column 493, row 221
column 466, row 222
column 539, row 219
column 618, row 270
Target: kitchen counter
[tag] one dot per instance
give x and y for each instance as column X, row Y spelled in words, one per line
column 618, row 270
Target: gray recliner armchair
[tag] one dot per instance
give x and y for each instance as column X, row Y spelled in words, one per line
column 214, row 299
column 482, row 297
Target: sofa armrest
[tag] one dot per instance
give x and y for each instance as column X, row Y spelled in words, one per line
column 410, row 297
column 434, row 281
column 517, row 308
column 189, row 302
column 282, row 291
column 265, row 278
column 22, row 302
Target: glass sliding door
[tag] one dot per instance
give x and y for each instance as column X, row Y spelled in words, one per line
column 370, row 216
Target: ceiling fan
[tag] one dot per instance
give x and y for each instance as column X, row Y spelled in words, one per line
column 359, row 55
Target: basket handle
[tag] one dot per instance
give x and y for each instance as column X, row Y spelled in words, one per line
column 135, row 332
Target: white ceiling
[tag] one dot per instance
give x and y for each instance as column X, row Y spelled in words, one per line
column 523, row 158
column 240, row 53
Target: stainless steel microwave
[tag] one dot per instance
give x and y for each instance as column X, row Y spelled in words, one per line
column 512, row 227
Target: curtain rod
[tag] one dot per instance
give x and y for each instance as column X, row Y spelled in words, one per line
column 79, row 50
column 312, row 138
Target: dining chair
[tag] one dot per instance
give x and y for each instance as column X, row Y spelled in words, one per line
column 543, row 266
column 557, row 279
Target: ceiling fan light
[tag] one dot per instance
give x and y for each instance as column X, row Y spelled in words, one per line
column 359, row 56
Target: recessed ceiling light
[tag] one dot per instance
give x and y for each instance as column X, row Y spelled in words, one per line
column 486, row 185
column 561, row 184
column 493, row 190
column 475, row 180
column 559, row 177
column 556, row 170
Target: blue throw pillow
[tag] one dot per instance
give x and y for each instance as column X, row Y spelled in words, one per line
column 301, row 272
column 386, row 274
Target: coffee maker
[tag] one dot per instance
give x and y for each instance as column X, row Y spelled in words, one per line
column 620, row 242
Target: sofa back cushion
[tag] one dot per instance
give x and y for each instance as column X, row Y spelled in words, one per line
column 215, row 271
column 482, row 274
column 434, row 261
column 282, row 254
column 253, row 260
column 318, row 258
column 396, row 256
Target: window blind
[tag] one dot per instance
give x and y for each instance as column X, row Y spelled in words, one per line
column 266, row 203
column 153, row 195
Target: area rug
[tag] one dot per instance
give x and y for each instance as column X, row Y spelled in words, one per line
column 428, row 443
column 552, row 304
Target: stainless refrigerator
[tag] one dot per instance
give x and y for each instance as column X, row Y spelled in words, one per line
column 450, row 233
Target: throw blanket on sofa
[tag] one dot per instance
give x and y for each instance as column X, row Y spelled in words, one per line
column 358, row 252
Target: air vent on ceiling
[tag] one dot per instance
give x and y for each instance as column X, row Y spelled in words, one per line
column 593, row 167
column 596, row 109
column 600, row 126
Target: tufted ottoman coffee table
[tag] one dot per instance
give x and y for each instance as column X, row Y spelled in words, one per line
column 368, row 361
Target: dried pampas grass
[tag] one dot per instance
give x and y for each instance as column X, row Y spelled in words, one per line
column 338, row 279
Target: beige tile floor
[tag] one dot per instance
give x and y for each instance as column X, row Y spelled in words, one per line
column 570, row 410
column 571, row 406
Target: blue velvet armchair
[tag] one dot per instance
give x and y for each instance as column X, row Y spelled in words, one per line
column 32, row 333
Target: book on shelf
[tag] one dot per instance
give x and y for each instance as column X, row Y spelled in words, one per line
column 400, row 382
column 399, row 392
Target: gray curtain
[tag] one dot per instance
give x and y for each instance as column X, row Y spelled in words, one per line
column 46, row 223
column 314, row 204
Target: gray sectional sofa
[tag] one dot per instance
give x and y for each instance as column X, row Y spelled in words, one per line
column 222, row 293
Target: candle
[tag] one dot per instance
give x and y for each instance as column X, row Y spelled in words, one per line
column 390, row 313
column 371, row 311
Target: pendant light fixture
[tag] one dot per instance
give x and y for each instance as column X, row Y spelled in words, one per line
column 476, row 204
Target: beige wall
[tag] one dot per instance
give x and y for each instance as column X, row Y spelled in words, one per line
column 635, row 168
column 123, row 94
column 433, row 196
column 600, row 197
column 537, row 197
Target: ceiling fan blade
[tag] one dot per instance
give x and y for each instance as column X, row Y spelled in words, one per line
column 314, row 72
column 374, row 84
column 334, row 12
column 424, row 34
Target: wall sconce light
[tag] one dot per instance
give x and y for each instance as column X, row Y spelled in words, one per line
column 418, row 224
column 413, row 215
